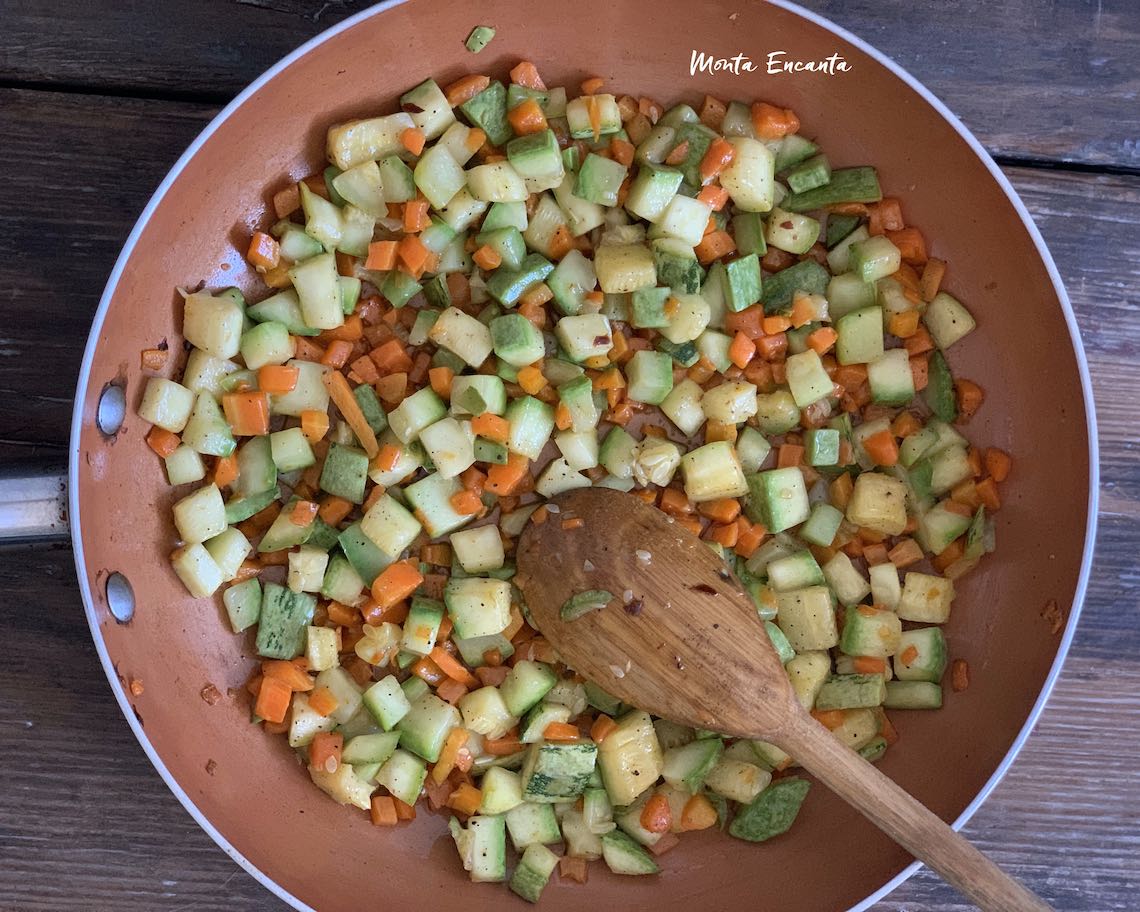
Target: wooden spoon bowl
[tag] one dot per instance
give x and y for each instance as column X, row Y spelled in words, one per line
column 681, row 639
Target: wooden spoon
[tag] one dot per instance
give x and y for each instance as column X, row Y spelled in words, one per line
column 689, row 646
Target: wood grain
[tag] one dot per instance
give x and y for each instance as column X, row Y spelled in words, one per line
column 1068, row 94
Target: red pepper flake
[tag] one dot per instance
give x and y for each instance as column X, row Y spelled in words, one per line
column 210, row 694
column 634, row 606
column 601, row 340
column 959, row 675
column 705, row 588
column 136, row 687
column 211, row 765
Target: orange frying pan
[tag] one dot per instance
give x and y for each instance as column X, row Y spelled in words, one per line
column 246, row 789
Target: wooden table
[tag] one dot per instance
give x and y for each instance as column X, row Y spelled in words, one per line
column 97, row 100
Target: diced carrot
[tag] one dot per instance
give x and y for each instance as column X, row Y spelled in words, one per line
column 273, row 699
column 288, row 672
column 451, row 691
column 487, row 258
column 656, row 815
column 465, row 799
column 466, row 503
column 970, row 397
column 493, row 427
column 932, row 275
column 527, row 117
column 882, row 448
column 771, row 122
column 712, row 113
column 465, row 88
column 748, row 540
column 603, row 727
column 456, row 740
column 724, row 510
column 868, row 665
column 675, row 503
column 714, row 196
column 247, row 413
column 264, row 252
column 396, row 582
column 342, row 396
column 383, row 811
column 713, row 246
column 525, row 74
column 287, row 201
column 561, row 243
column 531, row 379
column 325, row 751
column 998, row 464
column 910, row 243
column 381, row 255
column 322, row 701
column 162, row 441
column 821, row 340
column 959, row 675
column 153, row 358
column 440, row 379
column 502, row 747
column 562, row 417
column 724, row 534
column 908, row 655
column 573, row 522
column 392, row 388
column 789, row 455
column 561, row 731
column 742, row 350
column 303, row 513
column 413, row 140
column 277, row 378
column 919, row 343
column 905, row 553
column 698, row 814
column 592, row 85
column 573, row 867
column 719, row 156
column 904, row 324
column 622, row 151
column 337, row 354
column 988, row 494
column 839, row 491
column 829, row 718
column 952, row 553
column 416, row 217
column 404, row 811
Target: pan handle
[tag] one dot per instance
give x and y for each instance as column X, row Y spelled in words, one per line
column 33, row 503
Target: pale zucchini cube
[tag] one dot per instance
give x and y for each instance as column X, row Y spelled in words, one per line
column 683, row 406
column 737, row 780
column 318, row 291
column 689, row 320
column 848, row 584
column 199, row 573
column 344, row 688
column 166, row 404
column 713, row 471
column 580, row 123
column 462, row 335
column 479, row 549
column 751, row 177
column 807, row 379
column 358, row 141
column 305, row 723
column 420, row 410
column 478, row 607
column 454, row 140
column 685, row 218
column 463, row 211
column 558, row 477
column 584, row 336
column 807, row 618
column 733, row 402
column 886, row 590
column 451, row 446
column 228, row 550
column 390, row 526
column 807, row 673
column 344, row 786
column 213, row 324
column 205, row 373
column 497, row 182
column 485, row 712
column 926, row 598
column 363, row 187
column 309, row 394
column 624, row 268
column 201, row 515
column 578, row 448
column 307, row 567
column 322, row 648
column 947, row 320
column 630, row 758
column 184, row 466
column 878, row 502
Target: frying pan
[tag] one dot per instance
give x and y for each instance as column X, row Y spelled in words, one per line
column 245, row 788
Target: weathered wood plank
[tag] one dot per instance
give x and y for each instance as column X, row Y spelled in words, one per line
column 1051, row 81
column 86, row 823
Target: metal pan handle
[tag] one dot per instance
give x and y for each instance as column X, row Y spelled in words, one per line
column 33, row 503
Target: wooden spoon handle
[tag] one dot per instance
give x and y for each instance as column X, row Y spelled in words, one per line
column 905, row 820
